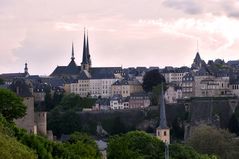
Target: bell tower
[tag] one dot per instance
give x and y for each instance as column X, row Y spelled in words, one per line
column 162, row 131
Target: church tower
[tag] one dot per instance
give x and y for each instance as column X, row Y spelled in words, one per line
column 86, row 61
column 26, row 70
column 162, row 131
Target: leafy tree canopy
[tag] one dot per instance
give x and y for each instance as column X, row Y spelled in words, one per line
column 152, row 78
column 136, row 144
column 208, row 140
column 11, row 106
column 75, row 102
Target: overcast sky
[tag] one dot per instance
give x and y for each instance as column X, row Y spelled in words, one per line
column 121, row 32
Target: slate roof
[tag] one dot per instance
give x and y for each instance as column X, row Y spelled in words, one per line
column 21, row 87
column 127, row 82
column 104, row 72
column 11, row 76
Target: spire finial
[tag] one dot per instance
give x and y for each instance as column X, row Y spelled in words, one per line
column 197, row 46
column 72, row 52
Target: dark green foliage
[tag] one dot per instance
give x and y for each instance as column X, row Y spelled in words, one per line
column 139, row 145
column 11, row 106
column 80, row 145
column 1, row 81
column 233, row 125
column 177, row 129
column 63, row 122
column 152, row 78
column 156, row 93
column 134, row 145
column 208, row 140
column 75, row 102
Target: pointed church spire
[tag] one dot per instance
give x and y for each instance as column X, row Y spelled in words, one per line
column 87, row 48
column 163, row 120
column 72, row 52
column 84, row 57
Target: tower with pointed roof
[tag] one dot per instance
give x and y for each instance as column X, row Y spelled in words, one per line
column 163, row 131
column 88, row 50
column 86, row 62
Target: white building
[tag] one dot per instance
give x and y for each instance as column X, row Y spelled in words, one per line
column 172, row 94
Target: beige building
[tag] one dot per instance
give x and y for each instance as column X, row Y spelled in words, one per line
column 211, row 86
column 174, row 75
column 172, row 94
column 188, row 85
column 126, row 87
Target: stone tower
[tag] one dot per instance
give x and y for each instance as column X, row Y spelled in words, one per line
column 41, row 122
column 24, row 89
column 162, row 131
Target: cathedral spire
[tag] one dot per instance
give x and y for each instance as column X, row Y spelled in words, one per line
column 85, row 65
column 72, row 52
column 87, row 48
column 84, row 57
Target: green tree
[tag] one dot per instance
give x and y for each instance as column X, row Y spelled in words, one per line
column 134, row 145
column 152, row 78
column 10, row 148
column 75, row 102
column 11, row 106
column 208, row 140
column 80, row 145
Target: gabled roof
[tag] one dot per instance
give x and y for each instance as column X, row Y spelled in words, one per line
column 104, row 72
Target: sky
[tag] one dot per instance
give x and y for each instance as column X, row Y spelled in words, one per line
column 125, row 33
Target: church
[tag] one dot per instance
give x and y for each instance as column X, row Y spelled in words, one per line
column 86, row 80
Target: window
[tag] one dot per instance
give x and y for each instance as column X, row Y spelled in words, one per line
column 164, row 133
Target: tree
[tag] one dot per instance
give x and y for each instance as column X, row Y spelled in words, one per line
column 208, row 140
column 10, row 148
column 11, row 106
column 80, row 145
column 152, row 78
column 136, row 144
column 75, row 102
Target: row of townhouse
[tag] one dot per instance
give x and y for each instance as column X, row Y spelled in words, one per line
column 116, row 102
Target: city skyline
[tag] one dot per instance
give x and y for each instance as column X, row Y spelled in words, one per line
column 155, row 33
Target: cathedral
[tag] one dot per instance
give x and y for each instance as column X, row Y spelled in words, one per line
column 85, row 70
column 86, row 80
